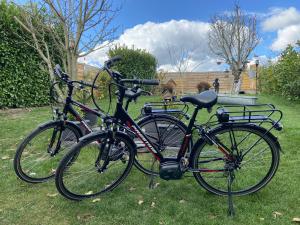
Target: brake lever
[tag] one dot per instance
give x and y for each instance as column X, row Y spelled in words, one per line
column 147, row 93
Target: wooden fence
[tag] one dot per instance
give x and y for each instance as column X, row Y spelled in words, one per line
column 187, row 82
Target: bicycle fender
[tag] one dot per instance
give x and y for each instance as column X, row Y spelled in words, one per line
column 252, row 126
column 93, row 135
column 69, row 123
column 145, row 118
column 270, row 135
column 259, row 128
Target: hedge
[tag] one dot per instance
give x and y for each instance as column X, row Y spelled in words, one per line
column 23, row 82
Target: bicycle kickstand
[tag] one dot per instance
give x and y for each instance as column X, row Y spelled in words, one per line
column 151, row 183
column 230, row 200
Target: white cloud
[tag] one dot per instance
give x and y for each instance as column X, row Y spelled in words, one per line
column 287, row 24
column 262, row 60
column 281, row 19
column 157, row 38
column 285, row 36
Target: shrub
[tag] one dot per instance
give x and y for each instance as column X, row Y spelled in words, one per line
column 135, row 62
column 283, row 77
column 203, row 86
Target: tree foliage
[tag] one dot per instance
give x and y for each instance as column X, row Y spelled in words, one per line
column 22, row 81
column 135, row 62
column 283, row 77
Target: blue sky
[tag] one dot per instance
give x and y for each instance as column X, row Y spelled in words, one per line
column 155, row 25
column 163, row 27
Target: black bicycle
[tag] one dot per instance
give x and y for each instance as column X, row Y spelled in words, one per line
column 39, row 153
column 232, row 158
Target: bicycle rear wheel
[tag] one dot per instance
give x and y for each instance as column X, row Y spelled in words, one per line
column 255, row 160
column 39, row 153
column 101, row 164
column 164, row 132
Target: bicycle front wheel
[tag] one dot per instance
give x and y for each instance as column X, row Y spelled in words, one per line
column 101, row 164
column 255, row 160
column 38, row 155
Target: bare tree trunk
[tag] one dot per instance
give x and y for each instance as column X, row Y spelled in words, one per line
column 237, row 82
column 73, row 71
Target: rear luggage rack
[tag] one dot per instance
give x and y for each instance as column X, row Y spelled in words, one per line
column 175, row 108
column 258, row 113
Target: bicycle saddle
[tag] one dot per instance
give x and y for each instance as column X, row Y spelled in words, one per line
column 205, row 99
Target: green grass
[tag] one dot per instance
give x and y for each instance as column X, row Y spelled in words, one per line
column 22, row 203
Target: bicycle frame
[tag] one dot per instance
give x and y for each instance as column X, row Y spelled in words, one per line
column 121, row 114
column 69, row 108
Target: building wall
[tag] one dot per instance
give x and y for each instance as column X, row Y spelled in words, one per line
column 86, row 72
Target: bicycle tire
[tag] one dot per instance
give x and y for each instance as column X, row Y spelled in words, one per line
column 250, row 181
column 82, row 186
column 169, row 146
column 42, row 167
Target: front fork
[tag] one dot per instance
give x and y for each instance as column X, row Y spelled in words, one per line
column 104, row 150
column 57, row 131
column 106, row 147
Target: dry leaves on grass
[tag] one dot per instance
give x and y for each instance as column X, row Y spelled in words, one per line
column 212, row 217
column 296, row 220
column 96, row 200
column 156, row 185
column 132, row 189
column 52, row 195
column 140, row 202
column 89, row 193
column 85, row 216
column 277, row 214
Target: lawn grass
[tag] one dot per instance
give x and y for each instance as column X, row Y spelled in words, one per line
column 175, row 202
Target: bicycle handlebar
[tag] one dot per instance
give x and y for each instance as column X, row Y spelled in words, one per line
column 64, row 77
column 58, row 71
column 85, row 83
column 141, row 81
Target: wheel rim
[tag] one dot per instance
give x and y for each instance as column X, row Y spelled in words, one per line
column 83, row 178
column 36, row 162
column 253, row 172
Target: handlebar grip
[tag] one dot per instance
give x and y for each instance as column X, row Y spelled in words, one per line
column 109, row 63
column 58, row 70
column 149, row 82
